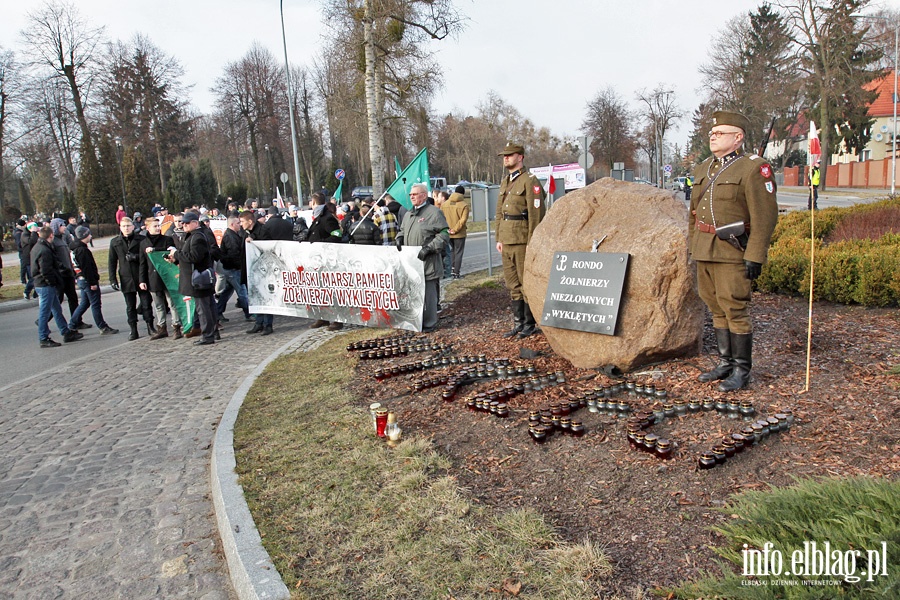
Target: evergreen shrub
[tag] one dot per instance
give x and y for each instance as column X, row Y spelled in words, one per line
column 861, row 269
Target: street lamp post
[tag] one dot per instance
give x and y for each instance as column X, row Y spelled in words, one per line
column 118, row 141
column 287, row 74
column 894, row 99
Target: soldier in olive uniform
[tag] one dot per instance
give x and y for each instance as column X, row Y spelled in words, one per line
column 731, row 188
column 519, row 210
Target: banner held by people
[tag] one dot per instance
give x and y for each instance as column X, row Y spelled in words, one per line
column 168, row 272
column 373, row 286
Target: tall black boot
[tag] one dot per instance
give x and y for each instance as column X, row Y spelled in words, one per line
column 530, row 326
column 151, row 329
column 741, row 354
column 134, row 332
column 518, row 311
column 726, row 364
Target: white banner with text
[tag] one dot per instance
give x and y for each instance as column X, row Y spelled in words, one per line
column 373, row 286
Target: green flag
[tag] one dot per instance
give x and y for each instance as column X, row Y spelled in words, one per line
column 397, row 168
column 416, row 172
column 337, row 193
column 169, row 274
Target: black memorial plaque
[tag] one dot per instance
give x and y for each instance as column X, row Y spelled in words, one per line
column 584, row 291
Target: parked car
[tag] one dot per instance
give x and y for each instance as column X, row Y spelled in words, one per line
column 678, row 184
column 362, row 192
column 642, row 180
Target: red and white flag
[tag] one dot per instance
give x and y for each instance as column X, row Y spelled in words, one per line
column 278, row 201
column 551, row 185
column 815, row 148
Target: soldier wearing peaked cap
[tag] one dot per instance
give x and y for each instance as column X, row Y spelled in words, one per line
column 520, row 208
column 733, row 215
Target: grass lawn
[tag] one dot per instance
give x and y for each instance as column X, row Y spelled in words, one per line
column 345, row 516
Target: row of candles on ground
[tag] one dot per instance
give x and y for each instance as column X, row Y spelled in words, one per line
column 385, row 423
column 542, row 423
column 748, row 437
column 442, row 361
column 394, row 341
column 402, row 350
column 452, row 383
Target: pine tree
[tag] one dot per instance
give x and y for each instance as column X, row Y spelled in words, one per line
column 92, row 189
column 25, row 202
column 206, row 182
column 182, row 187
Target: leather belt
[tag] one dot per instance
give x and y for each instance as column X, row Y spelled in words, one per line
column 707, row 228
column 507, row 217
column 704, row 227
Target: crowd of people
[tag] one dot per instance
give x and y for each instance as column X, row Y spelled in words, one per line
column 57, row 261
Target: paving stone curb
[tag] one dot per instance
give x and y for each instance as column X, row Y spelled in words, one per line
column 253, row 574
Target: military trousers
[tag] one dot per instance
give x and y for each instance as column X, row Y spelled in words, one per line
column 725, row 289
column 513, row 256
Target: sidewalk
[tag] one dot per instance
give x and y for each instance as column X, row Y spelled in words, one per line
column 105, row 483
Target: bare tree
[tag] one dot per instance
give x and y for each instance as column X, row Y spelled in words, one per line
column 394, row 33
column 58, row 38
column 745, row 73
column 662, row 113
column 252, row 88
column 10, row 87
column 609, row 122
column 836, row 63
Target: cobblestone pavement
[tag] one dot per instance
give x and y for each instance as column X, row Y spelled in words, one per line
column 104, row 477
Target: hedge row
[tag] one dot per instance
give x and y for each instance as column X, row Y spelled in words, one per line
column 861, row 271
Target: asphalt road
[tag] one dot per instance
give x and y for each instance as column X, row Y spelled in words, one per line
column 20, row 355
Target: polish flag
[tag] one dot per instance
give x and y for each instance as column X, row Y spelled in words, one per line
column 815, row 148
column 551, row 185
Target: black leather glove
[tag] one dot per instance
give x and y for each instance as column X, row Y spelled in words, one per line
column 423, row 253
column 399, row 243
column 115, row 285
column 132, row 257
column 753, row 269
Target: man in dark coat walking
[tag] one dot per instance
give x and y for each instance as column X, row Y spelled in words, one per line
column 47, row 272
column 124, row 261
column 88, row 281
column 195, row 255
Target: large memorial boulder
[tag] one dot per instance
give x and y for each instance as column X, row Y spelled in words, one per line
column 661, row 315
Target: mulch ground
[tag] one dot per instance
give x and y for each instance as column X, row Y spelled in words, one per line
column 654, row 517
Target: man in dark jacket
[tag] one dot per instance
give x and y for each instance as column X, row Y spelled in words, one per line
column 365, row 231
column 195, row 255
column 125, row 260
column 233, row 263
column 150, row 281
column 324, row 228
column 88, row 281
column 278, row 228
column 47, row 272
column 256, row 232
column 61, row 240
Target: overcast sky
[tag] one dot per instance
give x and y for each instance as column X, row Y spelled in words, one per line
column 548, row 59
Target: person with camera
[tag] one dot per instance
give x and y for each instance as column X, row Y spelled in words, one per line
column 124, row 275
column 195, row 256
